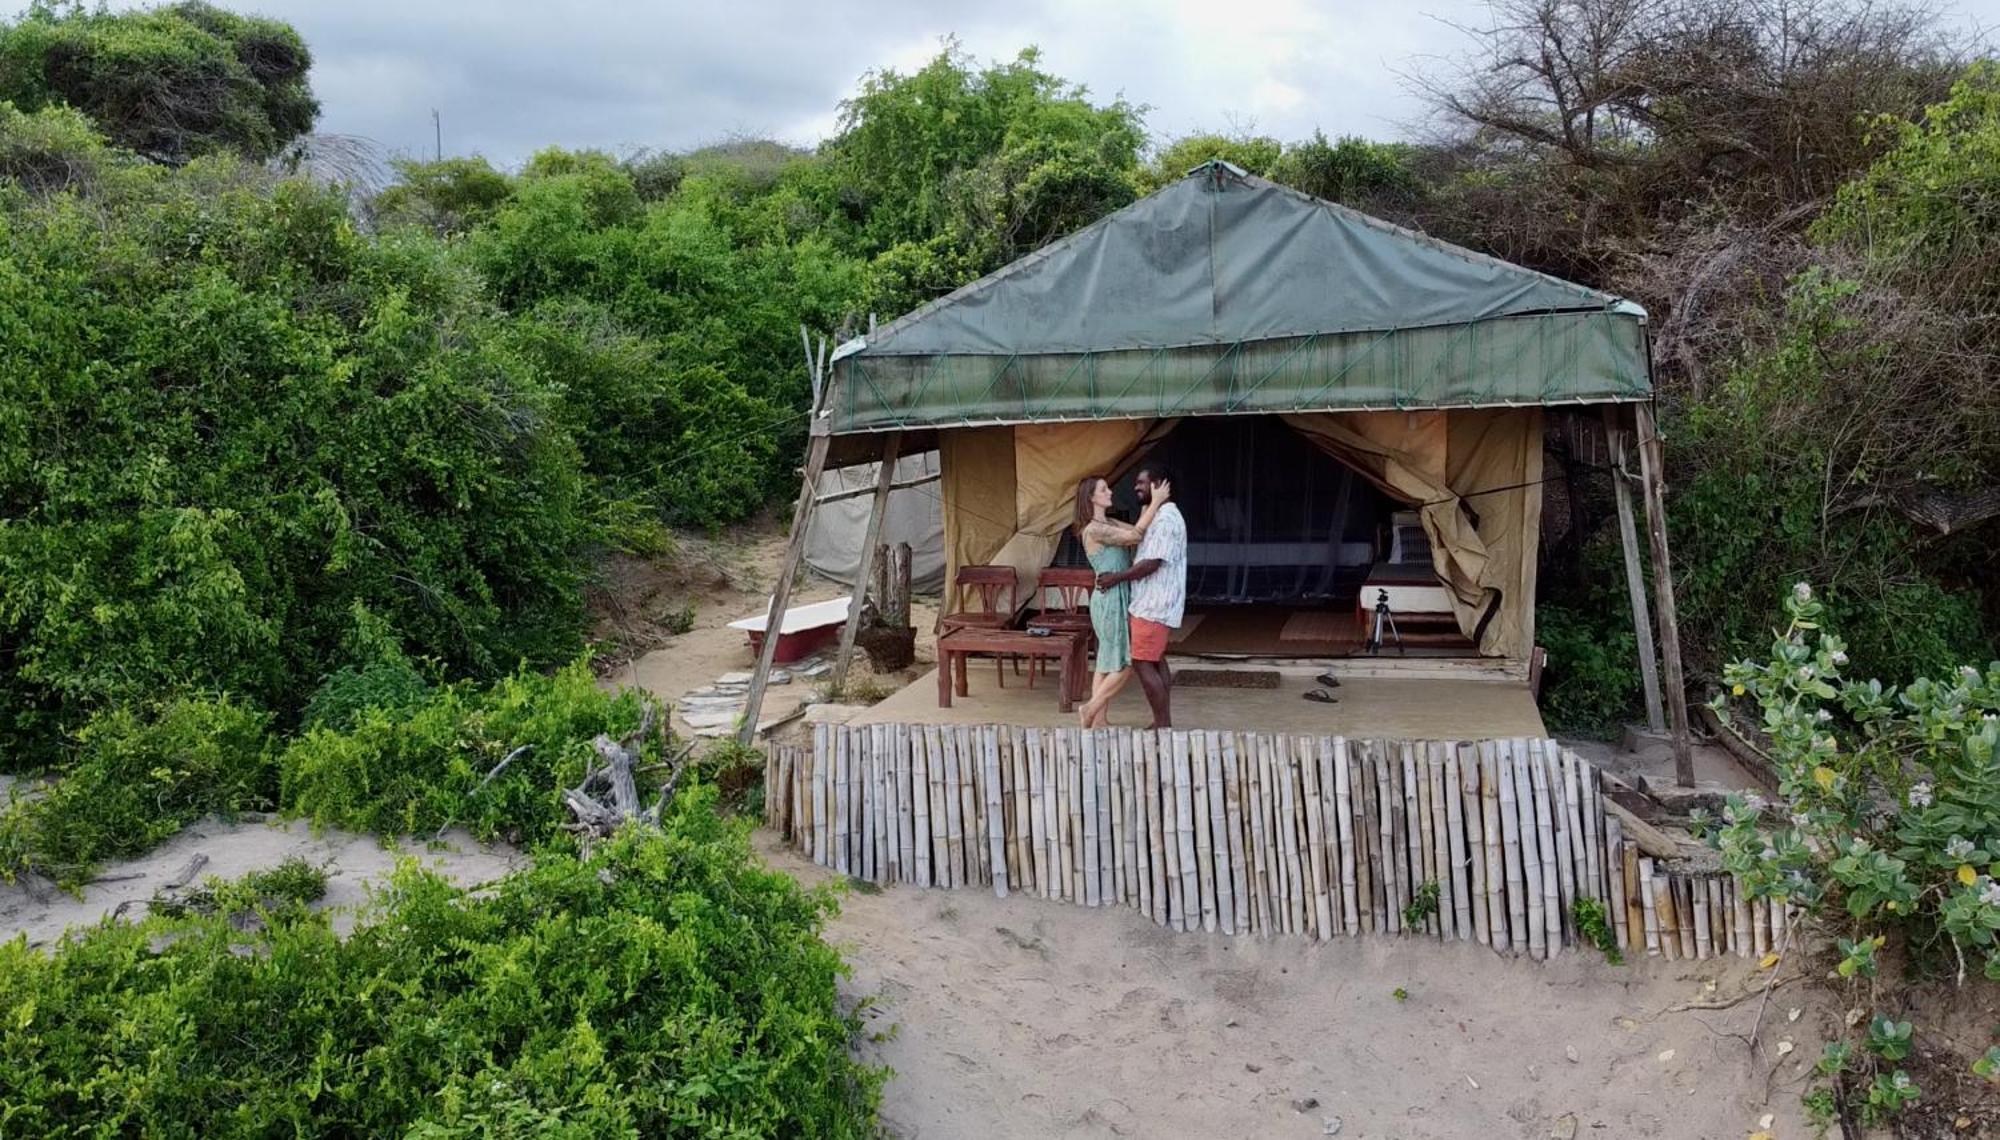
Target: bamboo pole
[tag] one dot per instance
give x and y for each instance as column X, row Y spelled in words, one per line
column 972, row 797
column 1740, row 903
column 1558, row 881
column 1411, row 823
column 1092, row 872
column 1263, row 914
column 1682, row 921
column 1204, row 842
column 1232, row 812
column 1472, row 805
column 1704, row 945
column 1156, row 844
column 1218, row 823
column 1455, row 848
column 1036, row 762
column 1069, row 878
column 1592, row 814
column 1670, row 937
column 1184, row 825
column 1554, row 864
column 1649, row 902
column 1536, row 932
column 1343, row 819
column 1297, row 906
column 1417, row 764
column 1616, row 891
column 821, row 744
column 1107, row 853
column 1120, row 869
column 996, row 824
column 843, row 766
column 1329, row 828
column 1170, row 828
column 1023, row 828
column 933, row 797
column 1444, row 790
column 1497, row 925
column 1388, row 851
column 1514, row 860
column 954, row 820
column 1315, row 817
column 1636, row 894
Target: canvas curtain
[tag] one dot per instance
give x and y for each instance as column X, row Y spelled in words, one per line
column 1010, row 491
column 1431, row 460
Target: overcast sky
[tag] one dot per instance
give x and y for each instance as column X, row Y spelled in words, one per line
column 508, row 77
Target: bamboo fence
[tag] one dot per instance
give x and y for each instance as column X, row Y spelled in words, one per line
column 1256, row 833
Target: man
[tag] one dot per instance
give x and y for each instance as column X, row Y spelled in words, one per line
column 1159, row 593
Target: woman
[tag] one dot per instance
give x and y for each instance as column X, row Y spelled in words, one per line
column 1108, row 544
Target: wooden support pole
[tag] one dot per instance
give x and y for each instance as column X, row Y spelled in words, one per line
column 877, row 511
column 781, row 594
column 1615, row 439
column 1651, row 459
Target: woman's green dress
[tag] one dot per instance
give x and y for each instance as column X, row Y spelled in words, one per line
column 1109, row 610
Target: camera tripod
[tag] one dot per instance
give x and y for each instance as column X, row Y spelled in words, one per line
column 1385, row 623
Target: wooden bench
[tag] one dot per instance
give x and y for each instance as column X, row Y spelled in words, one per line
column 1062, row 646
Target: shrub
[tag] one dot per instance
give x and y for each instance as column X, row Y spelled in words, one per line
column 137, row 777
column 229, row 422
column 170, row 83
column 1887, row 826
column 665, row 986
column 419, row 768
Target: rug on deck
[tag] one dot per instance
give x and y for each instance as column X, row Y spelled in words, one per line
column 1226, row 678
column 1318, row 625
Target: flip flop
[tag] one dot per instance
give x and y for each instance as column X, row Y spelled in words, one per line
column 1329, row 680
column 1322, row 696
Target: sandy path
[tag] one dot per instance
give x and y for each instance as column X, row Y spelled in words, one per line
column 1028, row 1018
column 234, row 849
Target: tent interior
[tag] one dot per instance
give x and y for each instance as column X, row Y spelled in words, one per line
column 1282, row 538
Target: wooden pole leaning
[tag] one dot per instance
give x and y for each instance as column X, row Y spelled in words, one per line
column 878, row 509
column 1616, row 439
column 781, row 594
column 1651, row 460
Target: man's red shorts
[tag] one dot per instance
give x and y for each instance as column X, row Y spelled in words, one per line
column 1149, row 639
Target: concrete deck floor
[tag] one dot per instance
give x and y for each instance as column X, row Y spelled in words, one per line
column 1426, row 708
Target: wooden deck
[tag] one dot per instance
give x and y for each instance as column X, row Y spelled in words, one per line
column 1438, row 706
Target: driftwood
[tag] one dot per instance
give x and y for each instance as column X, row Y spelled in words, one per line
column 608, row 797
column 885, row 633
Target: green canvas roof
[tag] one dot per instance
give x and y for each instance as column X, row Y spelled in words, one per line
column 1224, row 293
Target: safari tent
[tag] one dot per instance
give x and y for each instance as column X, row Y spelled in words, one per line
column 1316, row 375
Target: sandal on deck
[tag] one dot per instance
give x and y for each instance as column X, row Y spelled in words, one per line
column 1322, row 696
column 1329, row 680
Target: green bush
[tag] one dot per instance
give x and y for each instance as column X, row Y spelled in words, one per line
column 414, row 769
column 229, row 424
column 665, row 986
column 138, row 776
column 1887, row 826
column 171, row 83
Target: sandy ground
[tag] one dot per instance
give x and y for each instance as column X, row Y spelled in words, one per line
column 723, row 581
column 1027, row 1018
column 234, row 849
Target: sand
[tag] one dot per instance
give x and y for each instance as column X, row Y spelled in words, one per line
column 1029, row 1018
column 233, row 849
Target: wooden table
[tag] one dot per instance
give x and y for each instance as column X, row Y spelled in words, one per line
column 1064, row 647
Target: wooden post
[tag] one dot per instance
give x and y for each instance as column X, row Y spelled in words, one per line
column 781, row 594
column 877, row 510
column 1651, row 459
column 1635, row 575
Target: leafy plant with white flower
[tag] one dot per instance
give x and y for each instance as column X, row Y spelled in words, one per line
column 1888, row 825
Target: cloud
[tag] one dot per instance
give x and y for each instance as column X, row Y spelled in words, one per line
column 508, row 77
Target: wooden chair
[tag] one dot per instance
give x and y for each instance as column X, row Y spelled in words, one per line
column 993, row 587
column 1072, row 586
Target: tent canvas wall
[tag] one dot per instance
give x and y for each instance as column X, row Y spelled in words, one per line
column 914, row 515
